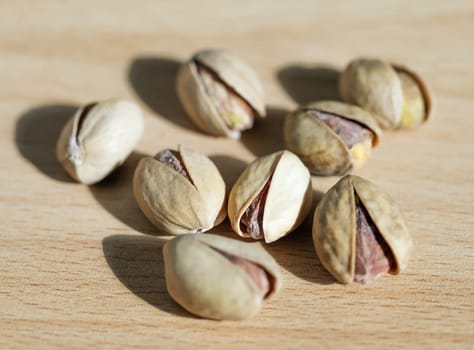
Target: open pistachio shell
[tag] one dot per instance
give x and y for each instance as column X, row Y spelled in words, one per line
column 202, row 276
column 396, row 96
column 178, row 204
column 321, row 146
column 336, row 227
column 98, row 139
column 416, row 106
column 278, row 188
column 237, row 82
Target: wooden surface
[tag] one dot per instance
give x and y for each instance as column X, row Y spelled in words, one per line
column 82, row 267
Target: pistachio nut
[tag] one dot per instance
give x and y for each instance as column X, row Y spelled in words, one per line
column 396, row 95
column 180, row 191
column 220, row 93
column 331, row 137
column 271, row 197
column 359, row 232
column 98, row 139
column 219, row 278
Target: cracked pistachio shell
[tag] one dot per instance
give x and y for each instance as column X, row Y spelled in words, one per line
column 174, row 204
column 417, row 104
column 321, row 148
column 236, row 75
column 205, row 283
column 375, row 85
column 334, row 226
column 288, row 199
column 98, row 139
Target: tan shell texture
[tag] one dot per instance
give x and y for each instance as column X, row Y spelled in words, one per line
column 90, row 147
column 236, row 74
column 334, row 226
column 206, row 284
column 174, row 204
column 288, row 200
column 373, row 85
column 317, row 145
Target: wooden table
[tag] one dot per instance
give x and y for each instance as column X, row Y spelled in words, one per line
column 81, row 267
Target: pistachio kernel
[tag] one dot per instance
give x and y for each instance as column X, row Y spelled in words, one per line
column 174, row 160
column 258, row 274
column 373, row 257
column 356, row 137
column 413, row 108
column 234, row 110
column 252, row 219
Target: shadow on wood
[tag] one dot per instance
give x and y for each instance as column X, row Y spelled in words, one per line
column 154, row 82
column 296, row 252
column 305, row 84
column 137, row 261
column 115, row 194
column 267, row 134
column 229, row 167
column 36, row 133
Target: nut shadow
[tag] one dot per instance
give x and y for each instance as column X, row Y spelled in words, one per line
column 267, row 134
column 296, row 252
column 137, row 261
column 229, row 167
column 36, row 133
column 153, row 80
column 115, row 194
column 305, row 84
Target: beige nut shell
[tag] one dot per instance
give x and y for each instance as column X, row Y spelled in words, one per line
column 289, row 196
column 373, row 85
column 205, row 283
column 107, row 136
column 174, row 204
column 317, row 145
column 334, row 226
column 236, row 74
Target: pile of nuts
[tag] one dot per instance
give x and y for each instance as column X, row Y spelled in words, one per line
column 358, row 231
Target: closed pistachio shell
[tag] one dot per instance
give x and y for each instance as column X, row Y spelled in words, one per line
column 219, row 278
column 331, row 137
column 98, row 139
column 271, row 197
column 396, row 96
column 220, row 93
column 359, row 232
column 190, row 200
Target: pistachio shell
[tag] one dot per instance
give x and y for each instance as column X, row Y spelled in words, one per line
column 98, row 139
column 321, row 148
column 288, row 199
column 425, row 96
column 173, row 203
column 373, row 85
column 387, row 217
column 235, row 73
column 334, row 226
column 204, row 282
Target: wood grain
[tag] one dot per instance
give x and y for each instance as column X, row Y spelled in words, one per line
column 81, row 266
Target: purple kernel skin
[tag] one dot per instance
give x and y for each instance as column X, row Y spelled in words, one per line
column 373, row 256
